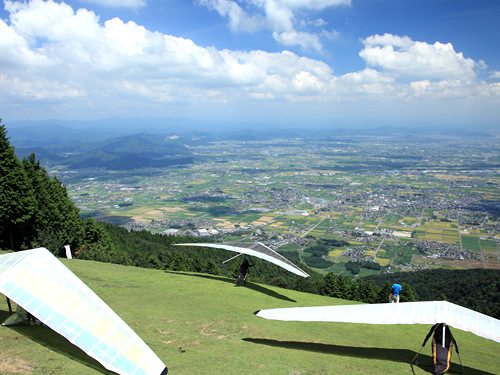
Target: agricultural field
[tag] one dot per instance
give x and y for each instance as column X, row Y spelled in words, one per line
column 425, row 204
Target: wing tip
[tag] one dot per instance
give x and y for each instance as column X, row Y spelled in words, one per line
column 256, row 312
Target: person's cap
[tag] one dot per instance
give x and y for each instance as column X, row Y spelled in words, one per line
column 398, row 281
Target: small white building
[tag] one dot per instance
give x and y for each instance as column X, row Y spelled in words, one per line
column 203, row 232
column 401, row 234
column 170, row 232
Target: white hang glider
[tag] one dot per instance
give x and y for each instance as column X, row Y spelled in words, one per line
column 394, row 313
column 254, row 249
column 39, row 283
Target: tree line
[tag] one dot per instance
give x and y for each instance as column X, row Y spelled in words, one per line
column 475, row 289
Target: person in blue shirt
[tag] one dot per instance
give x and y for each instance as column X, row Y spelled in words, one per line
column 396, row 289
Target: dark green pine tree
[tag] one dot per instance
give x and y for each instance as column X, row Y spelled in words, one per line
column 407, row 294
column 56, row 221
column 345, row 287
column 98, row 244
column 17, row 201
column 329, row 286
column 368, row 291
column 212, row 268
column 154, row 262
column 308, row 285
column 197, row 264
column 71, row 230
column 383, row 294
column 355, row 291
column 180, row 262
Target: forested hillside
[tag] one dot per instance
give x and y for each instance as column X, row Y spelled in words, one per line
column 476, row 289
column 35, row 209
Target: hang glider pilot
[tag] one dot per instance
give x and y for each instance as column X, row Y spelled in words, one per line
column 396, row 289
column 244, row 271
column 442, row 345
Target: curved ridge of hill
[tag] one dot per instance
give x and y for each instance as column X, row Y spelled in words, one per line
column 41, row 153
column 145, row 145
column 121, row 153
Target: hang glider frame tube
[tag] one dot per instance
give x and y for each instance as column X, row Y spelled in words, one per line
column 240, row 254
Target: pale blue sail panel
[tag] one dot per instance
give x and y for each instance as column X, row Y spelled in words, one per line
column 48, row 290
column 256, row 249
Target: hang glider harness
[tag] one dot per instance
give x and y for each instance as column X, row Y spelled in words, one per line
column 414, row 361
column 240, row 254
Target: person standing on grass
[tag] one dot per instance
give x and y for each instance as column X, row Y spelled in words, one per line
column 396, row 289
column 244, row 270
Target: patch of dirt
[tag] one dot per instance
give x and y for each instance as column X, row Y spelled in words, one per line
column 14, row 366
column 164, row 332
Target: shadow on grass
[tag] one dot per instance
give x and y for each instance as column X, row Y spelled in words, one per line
column 395, row 355
column 257, row 288
column 52, row 340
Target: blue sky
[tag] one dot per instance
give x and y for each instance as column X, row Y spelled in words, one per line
column 284, row 62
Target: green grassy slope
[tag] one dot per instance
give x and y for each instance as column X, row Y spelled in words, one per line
column 212, row 321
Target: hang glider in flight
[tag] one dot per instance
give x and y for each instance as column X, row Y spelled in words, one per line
column 254, row 249
column 394, row 313
column 39, row 283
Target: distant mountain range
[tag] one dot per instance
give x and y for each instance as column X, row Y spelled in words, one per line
column 31, row 133
column 122, row 153
column 114, row 143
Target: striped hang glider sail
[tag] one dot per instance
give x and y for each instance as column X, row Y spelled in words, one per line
column 254, row 249
column 39, row 283
column 394, row 313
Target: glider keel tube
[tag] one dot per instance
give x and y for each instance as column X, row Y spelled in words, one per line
column 255, row 249
column 394, row 313
column 43, row 286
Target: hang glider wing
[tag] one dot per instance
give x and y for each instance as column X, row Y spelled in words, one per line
column 254, row 249
column 394, row 313
column 39, row 283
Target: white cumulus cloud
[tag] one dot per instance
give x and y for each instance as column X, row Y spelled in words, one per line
column 495, row 74
column 405, row 58
column 81, row 56
column 282, row 17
